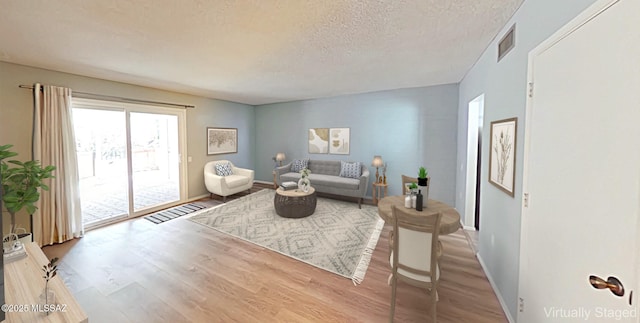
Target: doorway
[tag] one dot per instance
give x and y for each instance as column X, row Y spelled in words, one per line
column 128, row 159
column 474, row 160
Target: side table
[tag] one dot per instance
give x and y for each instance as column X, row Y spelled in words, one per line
column 275, row 183
column 379, row 191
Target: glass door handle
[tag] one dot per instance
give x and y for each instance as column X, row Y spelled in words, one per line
column 612, row 283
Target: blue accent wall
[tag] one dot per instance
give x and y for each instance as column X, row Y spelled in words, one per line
column 407, row 127
column 504, row 84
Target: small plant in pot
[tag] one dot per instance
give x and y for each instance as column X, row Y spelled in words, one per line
column 422, row 176
column 413, row 188
column 423, row 183
column 20, row 183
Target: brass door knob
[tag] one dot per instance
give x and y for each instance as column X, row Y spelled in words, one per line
column 612, row 283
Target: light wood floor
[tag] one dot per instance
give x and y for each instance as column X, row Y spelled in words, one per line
column 179, row 271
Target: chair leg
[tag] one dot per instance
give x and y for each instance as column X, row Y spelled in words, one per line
column 360, row 203
column 224, row 199
column 394, row 282
column 434, row 317
column 434, row 301
column 211, row 196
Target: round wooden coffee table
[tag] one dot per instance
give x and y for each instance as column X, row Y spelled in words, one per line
column 295, row 203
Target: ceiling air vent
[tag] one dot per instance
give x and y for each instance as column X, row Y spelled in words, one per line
column 507, row 42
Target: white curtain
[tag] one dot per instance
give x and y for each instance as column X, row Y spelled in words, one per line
column 58, row 217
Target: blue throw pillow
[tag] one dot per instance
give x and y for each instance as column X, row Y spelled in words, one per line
column 224, row 169
column 299, row 164
column 350, row 170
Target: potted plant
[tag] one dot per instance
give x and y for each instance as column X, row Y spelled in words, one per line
column 423, row 183
column 20, row 183
column 422, row 176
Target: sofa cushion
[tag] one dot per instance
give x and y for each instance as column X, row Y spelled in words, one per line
column 327, row 181
column 299, row 164
column 325, row 167
column 334, row 182
column 224, row 169
column 234, row 181
column 350, row 170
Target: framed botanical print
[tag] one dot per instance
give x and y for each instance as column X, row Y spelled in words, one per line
column 502, row 155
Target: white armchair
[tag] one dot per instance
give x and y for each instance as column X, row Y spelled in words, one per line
column 241, row 179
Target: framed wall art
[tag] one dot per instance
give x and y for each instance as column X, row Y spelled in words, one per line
column 502, row 155
column 318, row 140
column 339, row 141
column 222, row 140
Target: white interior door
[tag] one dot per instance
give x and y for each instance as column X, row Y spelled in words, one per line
column 582, row 169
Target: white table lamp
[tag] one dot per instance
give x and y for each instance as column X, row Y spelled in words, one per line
column 377, row 162
column 280, row 157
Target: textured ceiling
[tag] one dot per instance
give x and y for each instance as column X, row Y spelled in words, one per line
column 255, row 51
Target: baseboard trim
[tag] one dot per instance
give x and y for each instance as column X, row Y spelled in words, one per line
column 197, row 198
column 505, row 309
column 263, row 182
column 469, row 227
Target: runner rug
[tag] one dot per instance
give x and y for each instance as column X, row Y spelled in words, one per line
column 338, row 237
column 174, row 212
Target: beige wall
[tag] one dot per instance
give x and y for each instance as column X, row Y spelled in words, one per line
column 16, row 107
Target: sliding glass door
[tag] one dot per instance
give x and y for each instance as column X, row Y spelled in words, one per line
column 155, row 159
column 101, row 144
column 129, row 159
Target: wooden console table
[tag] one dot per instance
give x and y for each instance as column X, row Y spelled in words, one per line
column 23, row 285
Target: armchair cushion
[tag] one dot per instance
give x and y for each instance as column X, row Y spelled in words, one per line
column 234, row 181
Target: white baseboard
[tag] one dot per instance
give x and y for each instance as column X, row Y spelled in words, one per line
column 469, row 227
column 505, row 309
column 263, row 182
column 196, row 198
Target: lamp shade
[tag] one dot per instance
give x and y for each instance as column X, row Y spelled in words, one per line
column 377, row 161
column 280, row 156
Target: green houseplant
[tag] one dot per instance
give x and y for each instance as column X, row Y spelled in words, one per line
column 422, row 176
column 20, row 183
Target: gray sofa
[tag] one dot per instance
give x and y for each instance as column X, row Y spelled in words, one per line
column 325, row 178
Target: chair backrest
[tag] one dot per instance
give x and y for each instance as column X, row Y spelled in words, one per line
column 407, row 180
column 210, row 167
column 415, row 242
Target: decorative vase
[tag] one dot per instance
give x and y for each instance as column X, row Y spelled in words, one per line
column 425, row 195
column 47, row 300
column 303, row 184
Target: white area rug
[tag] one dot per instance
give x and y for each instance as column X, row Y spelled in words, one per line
column 339, row 237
